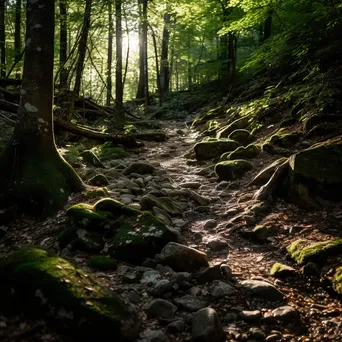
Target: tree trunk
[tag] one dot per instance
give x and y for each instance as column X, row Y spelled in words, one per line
column 189, row 66
column 164, row 62
column 2, row 39
column 82, row 47
column 17, row 35
column 33, row 175
column 224, row 59
column 143, row 66
column 109, row 53
column 268, row 27
column 118, row 70
column 157, row 65
column 63, row 41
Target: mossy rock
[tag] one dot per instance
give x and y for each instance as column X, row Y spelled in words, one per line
column 213, row 127
column 265, row 174
column 315, row 175
column 303, row 251
column 282, row 139
column 102, row 263
column 249, row 152
column 93, row 193
column 114, row 207
column 213, row 149
column 40, row 285
column 279, row 270
column 98, row 180
column 337, row 280
column 211, row 114
column 149, row 201
column 240, row 123
column 89, row 157
column 139, row 237
column 109, row 152
column 232, row 170
column 242, row 136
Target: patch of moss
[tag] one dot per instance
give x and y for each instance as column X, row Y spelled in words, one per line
column 115, row 208
column 36, row 284
column 109, row 152
column 233, row 169
column 337, row 281
column 279, row 270
column 241, row 135
column 240, row 123
column 102, row 263
column 211, row 114
column 302, row 253
column 100, row 192
column 242, row 152
column 73, row 153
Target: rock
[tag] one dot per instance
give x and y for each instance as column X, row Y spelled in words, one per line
column 265, row 174
column 183, row 258
column 153, row 336
column 315, row 175
column 242, row 136
column 273, row 337
column 232, row 170
column 162, row 215
column 240, row 123
column 136, row 206
column 250, row 316
column 285, row 313
column 160, row 287
column 262, row 289
column 102, row 263
column 203, row 209
column 207, row 327
column 126, row 200
column 209, row 274
column 198, row 198
column 132, row 277
column 220, row 289
column 282, row 271
column 149, row 201
column 210, row 224
column 190, row 185
column 212, row 149
column 230, row 317
column 256, row 333
column 249, row 152
column 191, row 303
column 217, row 244
column 176, row 326
column 310, row 269
column 45, row 286
column 302, row 251
column 88, row 241
column 98, row 180
column 160, row 308
column 139, row 168
column 90, row 158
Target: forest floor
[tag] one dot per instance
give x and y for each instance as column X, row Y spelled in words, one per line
column 215, row 228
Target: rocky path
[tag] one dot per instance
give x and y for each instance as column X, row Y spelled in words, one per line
column 235, row 298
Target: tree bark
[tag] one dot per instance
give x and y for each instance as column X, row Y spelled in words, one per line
column 2, row 39
column 157, row 64
column 118, row 70
column 17, row 35
column 109, row 53
column 63, row 41
column 164, row 62
column 33, row 175
column 82, row 47
column 268, row 27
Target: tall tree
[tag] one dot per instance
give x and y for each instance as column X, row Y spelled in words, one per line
column 118, row 69
column 33, row 175
column 164, row 62
column 63, row 41
column 2, row 39
column 82, row 48
column 109, row 52
column 17, row 34
column 143, row 65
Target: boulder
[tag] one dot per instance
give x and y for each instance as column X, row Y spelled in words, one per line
column 279, row 270
column 240, row 123
column 213, row 149
column 262, row 289
column 242, row 136
column 303, row 251
column 183, row 258
column 139, row 168
column 232, row 170
column 315, row 175
column 242, row 152
column 160, row 308
column 207, row 327
column 37, row 284
column 98, row 180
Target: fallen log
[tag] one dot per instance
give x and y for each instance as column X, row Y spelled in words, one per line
column 126, row 140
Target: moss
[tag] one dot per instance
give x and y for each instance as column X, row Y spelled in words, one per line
column 283, row 139
column 99, row 180
column 232, row 170
column 240, row 123
column 52, row 287
column 213, row 149
column 101, row 192
column 102, row 263
column 302, row 253
column 109, row 152
column 211, row 114
column 73, row 153
column 114, row 207
column 241, row 135
column 89, row 157
column 337, row 281
column 279, row 270
column 248, row 152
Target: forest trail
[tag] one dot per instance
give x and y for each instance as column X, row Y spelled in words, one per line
column 214, row 222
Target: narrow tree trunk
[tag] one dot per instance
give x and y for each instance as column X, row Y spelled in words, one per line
column 33, row 175
column 82, row 47
column 143, row 66
column 157, row 64
column 189, row 66
column 164, row 63
column 63, row 41
column 118, row 71
column 268, row 27
column 224, row 58
column 17, row 35
column 109, row 53
column 2, row 39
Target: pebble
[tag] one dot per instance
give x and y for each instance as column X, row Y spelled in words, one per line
column 256, row 333
column 250, row 315
column 217, row 244
column 190, row 185
column 210, row 224
column 285, row 313
column 176, row 326
column 262, row 289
